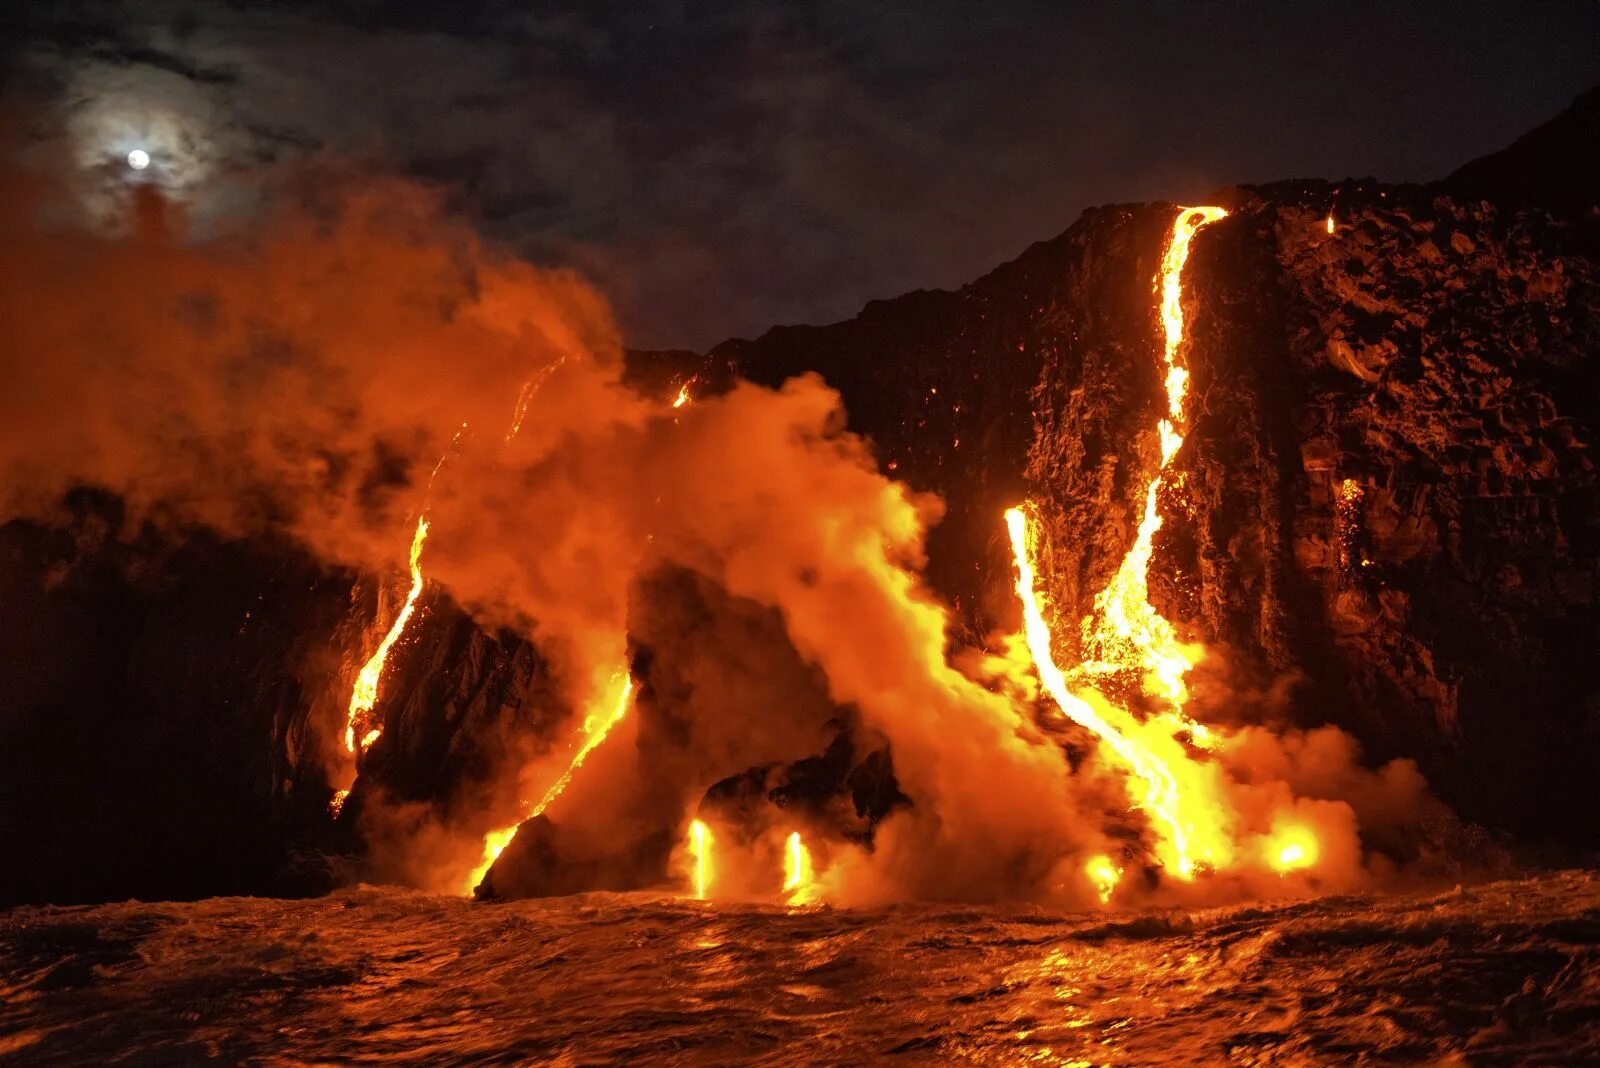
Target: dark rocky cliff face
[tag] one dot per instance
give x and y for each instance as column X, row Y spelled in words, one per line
column 1385, row 516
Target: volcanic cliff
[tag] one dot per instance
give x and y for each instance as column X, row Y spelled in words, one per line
column 1385, row 517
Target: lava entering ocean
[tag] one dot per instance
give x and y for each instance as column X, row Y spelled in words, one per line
column 556, row 544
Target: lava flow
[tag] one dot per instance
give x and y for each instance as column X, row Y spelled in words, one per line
column 365, row 694
column 1125, row 634
column 594, row 731
column 700, row 850
column 796, row 869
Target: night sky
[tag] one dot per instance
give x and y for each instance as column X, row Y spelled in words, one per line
column 721, row 168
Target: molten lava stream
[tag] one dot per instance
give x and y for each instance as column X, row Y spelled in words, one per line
column 796, row 869
column 1126, row 635
column 1161, row 796
column 700, row 850
column 365, row 694
column 594, row 732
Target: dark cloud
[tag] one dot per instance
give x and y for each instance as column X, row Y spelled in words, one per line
column 718, row 168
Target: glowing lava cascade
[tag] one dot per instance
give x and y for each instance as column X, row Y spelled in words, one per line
column 1125, row 634
column 364, row 696
column 594, row 731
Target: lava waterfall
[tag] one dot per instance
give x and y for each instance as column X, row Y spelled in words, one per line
column 1199, row 554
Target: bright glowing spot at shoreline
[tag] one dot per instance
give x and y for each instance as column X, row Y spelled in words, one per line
column 138, row 159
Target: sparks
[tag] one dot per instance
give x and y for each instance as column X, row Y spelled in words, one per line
column 593, row 731
column 700, row 850
column 365, row 694
column 336, row 805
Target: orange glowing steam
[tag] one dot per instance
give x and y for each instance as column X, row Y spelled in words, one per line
column 365, row 694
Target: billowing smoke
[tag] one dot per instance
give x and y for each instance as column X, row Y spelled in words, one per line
column 334, row 369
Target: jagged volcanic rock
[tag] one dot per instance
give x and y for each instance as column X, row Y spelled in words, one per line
column 1439, row 352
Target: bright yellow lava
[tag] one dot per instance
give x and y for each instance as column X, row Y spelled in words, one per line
column 796, row 868
column 1125, row 631
column 1291, row 848
column 1104, row 875
column 683, row 396
column 1126, row 635
column 1161, row 799
column 700, row 850
column 365, row 694
column 594, row 731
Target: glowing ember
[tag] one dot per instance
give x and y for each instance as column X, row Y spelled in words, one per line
column 1291, row 848
column 1330, row 222
column 796, row 868
column 1104, row 875
column 365, row 694
column 700, row 850
column 594, row 732
column 336, row 805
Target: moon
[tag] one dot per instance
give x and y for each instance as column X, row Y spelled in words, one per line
column 138, row 159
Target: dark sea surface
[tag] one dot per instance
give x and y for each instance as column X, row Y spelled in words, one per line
column 1501, row 973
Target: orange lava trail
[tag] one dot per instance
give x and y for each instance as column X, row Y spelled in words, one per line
column 700, row 849
column 1161, row 798
column 796, row 869
column 365, row 694
column 1125, row 633
column 594, row 731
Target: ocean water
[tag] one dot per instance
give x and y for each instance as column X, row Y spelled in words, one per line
column 1499, row 973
